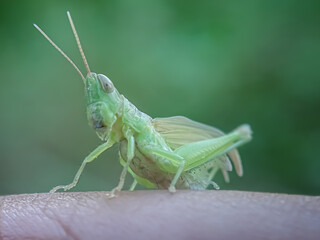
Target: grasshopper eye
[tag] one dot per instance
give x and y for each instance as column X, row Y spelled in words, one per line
column 106, row 83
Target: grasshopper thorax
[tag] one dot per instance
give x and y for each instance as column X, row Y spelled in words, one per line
column 103, row 104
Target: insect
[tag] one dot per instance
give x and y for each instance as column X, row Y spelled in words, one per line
column 166, row 153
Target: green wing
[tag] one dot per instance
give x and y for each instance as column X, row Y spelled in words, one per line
column 178, row 131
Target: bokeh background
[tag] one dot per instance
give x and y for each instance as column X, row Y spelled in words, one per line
column 222, row 63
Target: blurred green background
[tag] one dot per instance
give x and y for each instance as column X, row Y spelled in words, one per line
column 222, row 63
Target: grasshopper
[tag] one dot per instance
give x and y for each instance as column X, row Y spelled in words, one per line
column 165, row 153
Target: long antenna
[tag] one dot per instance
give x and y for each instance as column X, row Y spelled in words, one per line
column 66, row 57
column 78, row 42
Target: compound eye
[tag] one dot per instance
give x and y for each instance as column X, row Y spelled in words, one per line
column 106, row 83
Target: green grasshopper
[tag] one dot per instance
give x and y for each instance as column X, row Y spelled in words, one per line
column 166, row 153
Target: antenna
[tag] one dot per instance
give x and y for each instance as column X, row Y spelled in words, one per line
column 66, row 57
column 78, row 42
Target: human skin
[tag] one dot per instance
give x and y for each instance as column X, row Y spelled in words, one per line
column 160, row 215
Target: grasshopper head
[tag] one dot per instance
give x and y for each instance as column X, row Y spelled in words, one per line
column 103, row 100
column 103, row 103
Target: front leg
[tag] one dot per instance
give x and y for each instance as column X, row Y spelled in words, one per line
column 130, row 154
column 93, row 155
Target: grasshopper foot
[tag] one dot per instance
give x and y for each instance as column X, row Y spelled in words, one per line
column 172, row 189
column 65, row 188
column 53, row 190
column 114, row 193
column 216, row 186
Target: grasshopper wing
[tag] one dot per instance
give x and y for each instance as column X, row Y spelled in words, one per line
column 178, row 131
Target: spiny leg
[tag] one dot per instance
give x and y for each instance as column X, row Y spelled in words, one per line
column 194, row 154
column 176, row 177
column 94, row 154
column 135, row 182
column 133, row 185
column 176, row 161
column 130, row 155
column 197, row 153
column 212, row 174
